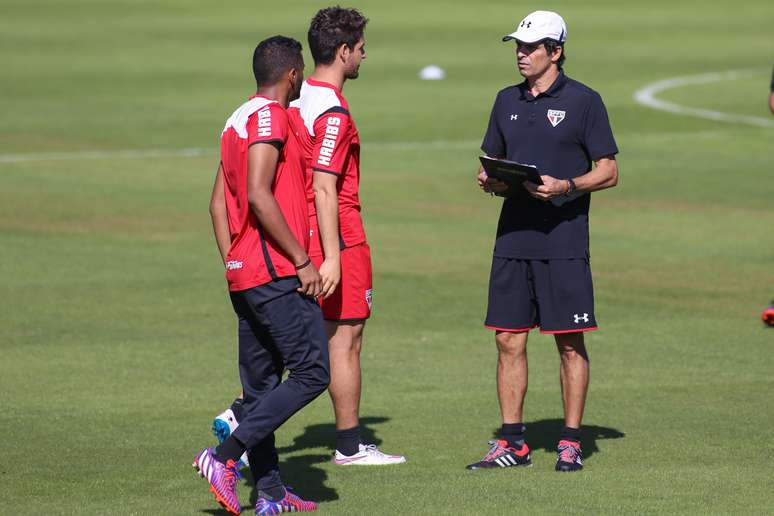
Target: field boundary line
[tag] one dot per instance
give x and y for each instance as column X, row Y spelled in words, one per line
column 107, row 154
column 647, row 97
column 195, row 152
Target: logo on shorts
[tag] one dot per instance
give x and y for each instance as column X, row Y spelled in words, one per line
column 555, row 116
column 233, row 264
column 368, row 297
column 579, row 318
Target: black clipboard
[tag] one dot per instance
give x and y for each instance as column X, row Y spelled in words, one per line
column 512, row 173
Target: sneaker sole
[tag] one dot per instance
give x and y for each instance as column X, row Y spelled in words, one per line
column 282, row 511
column 356, row 463
column 529, row 465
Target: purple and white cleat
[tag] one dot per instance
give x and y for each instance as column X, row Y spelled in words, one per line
column 222, row 479
column 289, row 503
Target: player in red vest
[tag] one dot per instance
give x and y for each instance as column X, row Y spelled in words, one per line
column 331, row 144
column 259, row 214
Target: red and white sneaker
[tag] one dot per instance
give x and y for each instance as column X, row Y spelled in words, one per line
column 367, row 455
column 569, row 456
column 500, row 455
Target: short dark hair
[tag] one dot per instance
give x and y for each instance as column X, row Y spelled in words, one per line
column 332, row 27
column 551, row 45
column 273, row 57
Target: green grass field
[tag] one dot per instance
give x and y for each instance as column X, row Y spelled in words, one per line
column 118, row 342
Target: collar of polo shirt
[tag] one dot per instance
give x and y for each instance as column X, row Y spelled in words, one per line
column 553, row 91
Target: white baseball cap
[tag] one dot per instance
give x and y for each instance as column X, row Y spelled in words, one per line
column 538, row 26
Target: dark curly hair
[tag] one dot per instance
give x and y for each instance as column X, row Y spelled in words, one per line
column 332, row 27
column 275, row 56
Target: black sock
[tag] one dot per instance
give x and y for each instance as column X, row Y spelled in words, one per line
column 273, row 493
column 230, row 449
column 513, row 433
column 348, row 441
column 571, row 434
column 236, row 408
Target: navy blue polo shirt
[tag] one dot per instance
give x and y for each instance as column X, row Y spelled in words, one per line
column 561, row 131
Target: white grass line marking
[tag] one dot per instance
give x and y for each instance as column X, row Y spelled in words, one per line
column 196, row 152
column 647, row 97
column 107, row 154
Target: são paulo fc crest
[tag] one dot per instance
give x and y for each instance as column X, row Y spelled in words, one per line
column 368, row 297
column 555, row 116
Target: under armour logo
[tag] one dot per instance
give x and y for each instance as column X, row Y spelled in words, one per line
column 578, row 318
column 514, row 117
column 526, row 23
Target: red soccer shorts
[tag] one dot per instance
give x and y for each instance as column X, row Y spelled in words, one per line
column 351, row 301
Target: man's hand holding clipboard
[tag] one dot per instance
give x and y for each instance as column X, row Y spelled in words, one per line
column 508, row 179
column 512, row 174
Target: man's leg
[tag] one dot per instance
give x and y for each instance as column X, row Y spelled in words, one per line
column 510, row 449
column 260, row 370
column 574, row 379
column 346, row 312
column 511, row 313
column 287, row 331
column 511, row 375
column 565, row 295
column 573, row 376
column 264, row 467
column 297, row 334
column 344, row 344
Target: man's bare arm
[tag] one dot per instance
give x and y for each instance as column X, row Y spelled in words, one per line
column 326, row 201
column 219, row 215
column 603, row 175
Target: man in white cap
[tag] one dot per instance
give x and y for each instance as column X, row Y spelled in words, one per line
column 540, row 269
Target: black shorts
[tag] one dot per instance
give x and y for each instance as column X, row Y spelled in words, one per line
column 556, row 295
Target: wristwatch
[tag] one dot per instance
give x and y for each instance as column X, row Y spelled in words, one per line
column 571, row 188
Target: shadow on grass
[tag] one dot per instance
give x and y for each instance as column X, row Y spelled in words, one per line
column 544, row 435
column 324, row 436
column 304, row 478
column 300, row 474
